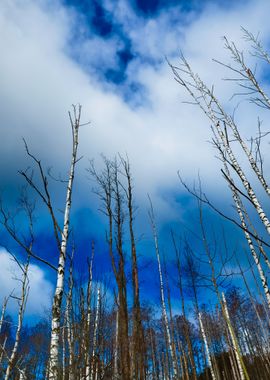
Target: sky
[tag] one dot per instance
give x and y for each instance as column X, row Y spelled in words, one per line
column 111, row 57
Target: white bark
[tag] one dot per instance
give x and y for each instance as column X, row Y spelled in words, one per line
column 58, row 296
column 22, row 375
column 3, row 312
column 22, row 303
column 3, row 347
column 63, row 353
column 240, row 207
column 251, row 193
column 206, row 347
column 233, row 338
column 95, row 334
column 70, row 337
column 88, row 322
column 163, row 304
column 207, row 101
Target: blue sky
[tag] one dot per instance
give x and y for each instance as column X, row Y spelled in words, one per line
column 109, row 56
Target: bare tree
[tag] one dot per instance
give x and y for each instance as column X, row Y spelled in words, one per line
column 224, row 126
column 61, row 235
column 138, row 350
column 206, row 347
column 162, row 296
column 58, row 296
column 22, row 300
column 110, row 191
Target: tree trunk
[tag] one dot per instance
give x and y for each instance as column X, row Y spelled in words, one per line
column 206, row 347
column 58, row 295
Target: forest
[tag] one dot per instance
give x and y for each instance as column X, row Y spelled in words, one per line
column 100, row 328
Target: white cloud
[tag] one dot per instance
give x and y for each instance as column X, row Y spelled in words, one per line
column 39, row 82
column 40, row 289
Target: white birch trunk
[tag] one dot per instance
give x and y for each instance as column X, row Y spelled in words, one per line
column 22, row 375
column 88, row 322
column 233, row 338
column 58, row 296
column 206, row 347
column 163, row 304
column 3, row 350
column 210, row 100
column 95, row 334
column 3, row 312
column 239, row 208
column 63, row 353
column 251, row 193
column 70, row 337
column 22, row 304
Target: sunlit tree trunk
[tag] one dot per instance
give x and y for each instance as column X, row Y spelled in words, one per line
column 69, row 326
column 206, row 347
column 88, row 320
column 239, row 207
column 163, row 304
column 240, row 364
column 22, row 304
column 93, row 364
column 58, row 295
column 3, row 312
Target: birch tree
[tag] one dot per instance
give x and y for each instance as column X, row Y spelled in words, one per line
column 206, row 347
column 94, row 365
column 22, row 300
column 246, row 179
column 162, row 296
column 88, row 320
column 58, row 295
column 61, row 234
column 224, row 125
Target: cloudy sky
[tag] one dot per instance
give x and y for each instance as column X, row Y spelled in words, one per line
column 109, row 56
